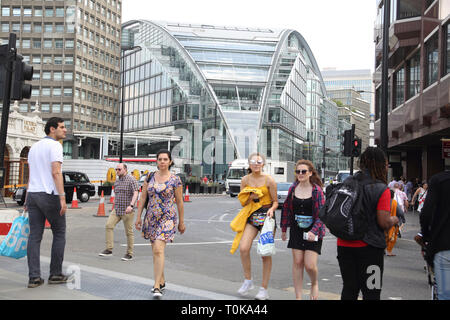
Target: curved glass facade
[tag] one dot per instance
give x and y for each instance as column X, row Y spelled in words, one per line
column 226, row 91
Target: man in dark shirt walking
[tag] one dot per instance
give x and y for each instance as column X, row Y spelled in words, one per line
column 435, row 229
column 126, row 191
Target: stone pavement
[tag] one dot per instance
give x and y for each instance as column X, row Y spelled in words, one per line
column 89, row 283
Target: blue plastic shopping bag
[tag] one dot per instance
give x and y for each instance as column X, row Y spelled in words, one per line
column 15, row 243
column 266, row 243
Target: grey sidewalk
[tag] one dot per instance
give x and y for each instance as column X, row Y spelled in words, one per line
column 90, row 283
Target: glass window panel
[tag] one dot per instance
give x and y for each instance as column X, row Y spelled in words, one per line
column 228, row 45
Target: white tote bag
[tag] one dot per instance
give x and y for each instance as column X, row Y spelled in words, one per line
column 266, row 243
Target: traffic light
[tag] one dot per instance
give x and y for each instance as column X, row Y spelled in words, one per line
column 356, row 147
column 348, row 143
column 21, row 72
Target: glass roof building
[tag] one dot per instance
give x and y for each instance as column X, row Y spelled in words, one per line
column 226, row 91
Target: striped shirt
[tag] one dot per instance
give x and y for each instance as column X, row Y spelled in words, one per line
column 124, row 189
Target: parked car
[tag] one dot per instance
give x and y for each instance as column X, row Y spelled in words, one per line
column 72, row 179
column 282, row 191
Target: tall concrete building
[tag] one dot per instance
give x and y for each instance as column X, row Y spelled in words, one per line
column 358, row 80
column 74, row 47
column 418, row 86
column 355, row 110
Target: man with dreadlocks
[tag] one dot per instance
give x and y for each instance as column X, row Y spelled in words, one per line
column 362, row 261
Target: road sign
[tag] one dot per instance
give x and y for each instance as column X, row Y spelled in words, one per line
column 445, row 148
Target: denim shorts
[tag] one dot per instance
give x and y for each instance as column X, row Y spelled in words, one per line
column 442, row 274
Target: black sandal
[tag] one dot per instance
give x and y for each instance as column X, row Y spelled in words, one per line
column 36, row 282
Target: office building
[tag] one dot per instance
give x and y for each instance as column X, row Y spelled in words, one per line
column 419, row 84
column 74, row 48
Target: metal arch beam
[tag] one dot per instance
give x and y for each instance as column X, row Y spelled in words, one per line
column 277, row 55
column 194, row 65
column 312, row 59
column 275, row 58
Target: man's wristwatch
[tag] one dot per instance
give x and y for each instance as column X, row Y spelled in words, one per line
column 132, row 206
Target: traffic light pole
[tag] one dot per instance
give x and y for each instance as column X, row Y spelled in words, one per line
column 351, row 157
column 7, row 60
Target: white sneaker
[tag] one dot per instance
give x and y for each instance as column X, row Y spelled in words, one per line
column 262, row 294
column 246, row 287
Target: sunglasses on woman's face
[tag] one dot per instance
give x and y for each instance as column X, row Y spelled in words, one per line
column 301, row 171
column 256, row 162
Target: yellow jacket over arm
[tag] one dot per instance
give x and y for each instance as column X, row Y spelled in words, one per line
column 238, row 223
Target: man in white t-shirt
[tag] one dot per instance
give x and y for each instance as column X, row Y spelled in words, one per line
column 46, row 199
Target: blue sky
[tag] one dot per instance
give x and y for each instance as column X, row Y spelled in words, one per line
column 340, row 33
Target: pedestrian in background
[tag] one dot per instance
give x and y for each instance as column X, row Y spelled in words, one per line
column 163, row 190
column 362, row 261
column 400, row 197
column 420, row 195
column 435, row 230
column 269, row 203
column 392, row 233
column 126, row 190
column 46, row 199
column 408, row 190
column 300, row 214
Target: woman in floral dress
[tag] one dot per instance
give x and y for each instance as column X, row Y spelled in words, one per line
column 164, row 190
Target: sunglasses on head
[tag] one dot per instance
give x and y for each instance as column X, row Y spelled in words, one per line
column 301, row 171
column 256, row 162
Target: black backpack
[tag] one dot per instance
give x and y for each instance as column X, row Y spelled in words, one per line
column 343, row 212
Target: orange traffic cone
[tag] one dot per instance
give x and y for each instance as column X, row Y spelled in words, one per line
column 74, row 200
column 186, row 195
column 47, row 224
column 101, row 207
column 113, row 195
column 139, row 196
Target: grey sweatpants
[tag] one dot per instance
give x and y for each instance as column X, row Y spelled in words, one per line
column 43, row 206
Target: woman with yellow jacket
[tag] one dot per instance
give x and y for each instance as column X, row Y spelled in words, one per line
column 257, row 206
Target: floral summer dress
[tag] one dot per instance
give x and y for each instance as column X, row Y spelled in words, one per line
column 160, row 220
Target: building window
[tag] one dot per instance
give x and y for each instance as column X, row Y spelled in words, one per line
column 67, row 108
column 414, row 75
column 36, row 43
column 399, row 84
column 5, row 27
column 68, row 92
column 48, row 43
column 17, row 12
column 6, row 11
column 46, row 75
column 407, row 8
column 37, row 27
column 431, row 62
column 27, row 12
column 38, row 11
column 49, row 12
column 45, row 107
